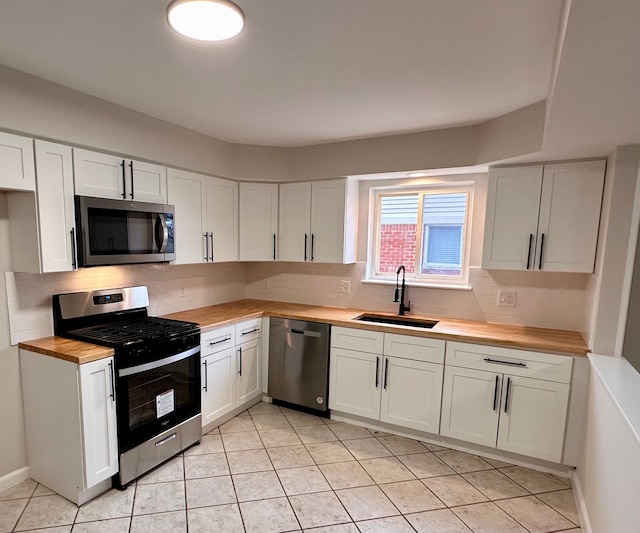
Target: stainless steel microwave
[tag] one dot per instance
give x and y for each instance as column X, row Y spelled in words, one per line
column 118, row 232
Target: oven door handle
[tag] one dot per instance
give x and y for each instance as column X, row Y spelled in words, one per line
column 161, row 232
column 157, row 364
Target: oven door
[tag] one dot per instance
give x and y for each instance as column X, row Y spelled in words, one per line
column 155, row 396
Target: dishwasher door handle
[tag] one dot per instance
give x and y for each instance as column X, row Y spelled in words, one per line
column 306, row 332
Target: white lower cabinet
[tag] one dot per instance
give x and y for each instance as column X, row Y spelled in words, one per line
column 494, row 397
column 398, row 379
column 70, row 422
column 231, row 368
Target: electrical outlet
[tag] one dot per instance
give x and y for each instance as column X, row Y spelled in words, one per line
column 344, row 287
column 181, row 291
column 506, row 298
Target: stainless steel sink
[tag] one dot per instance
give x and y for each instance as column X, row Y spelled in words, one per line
column 397, row 320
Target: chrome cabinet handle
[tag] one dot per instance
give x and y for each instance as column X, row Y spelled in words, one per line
column 124, row 182
column 377, row 369
column 495, row 394
column 506, row 399
column 131, row 168
column 529, row 252
column 113, row 381
column 74, row 258
column 206, row 246
column 213, row 343
column 206, row 378
column 499, row 362
column 541, row 250
column 386, row 373
column 240, row 352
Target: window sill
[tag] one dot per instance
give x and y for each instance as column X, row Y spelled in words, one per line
column 418, row 284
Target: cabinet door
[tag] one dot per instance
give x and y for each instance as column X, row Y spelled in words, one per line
column 327, row 221
column 218, row 385
column 188, row 193
column 97, row 393
column 511, row 221
column 248, row 367
column 470, row 405
column 147, row 182
column 222, row 219
column 532, row 417
column 16, row 163
column 294, row 230
column 100, row 175
column 570, row 216
column 354, row 382
column 258, row 221
column 411, row 393
column 56, row 219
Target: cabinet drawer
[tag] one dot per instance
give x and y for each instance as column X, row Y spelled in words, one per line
column 416, row 348
column 217, row 340
column 536, row 365
column 361, row 340
column 248, row 330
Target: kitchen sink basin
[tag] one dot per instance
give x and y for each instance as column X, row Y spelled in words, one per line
column 397, row 320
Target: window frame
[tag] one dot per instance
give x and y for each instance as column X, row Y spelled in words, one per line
column 415, row 278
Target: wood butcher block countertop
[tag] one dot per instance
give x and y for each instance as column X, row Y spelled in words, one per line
column 509, row 336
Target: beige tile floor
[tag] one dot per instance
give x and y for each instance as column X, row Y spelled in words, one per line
column 272, row 470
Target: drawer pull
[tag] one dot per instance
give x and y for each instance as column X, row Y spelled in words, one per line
column 499, row 362
column 249, row 332
column 166, row 439
column 226, row 339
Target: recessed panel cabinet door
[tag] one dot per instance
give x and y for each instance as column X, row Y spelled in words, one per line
column 532, row 418
column 97, row 391
column 248, row 371
column 16, row 163
column 470, row 405
column 258, row 221
column 188, row 193
column 511, row 222
column 354, row 382
column 570, row 216
column 411, row 394
column 218, row 385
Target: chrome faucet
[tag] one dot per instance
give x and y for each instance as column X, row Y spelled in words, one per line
column 398, row 295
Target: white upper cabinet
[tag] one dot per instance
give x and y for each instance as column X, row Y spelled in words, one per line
column 17, row 170
column 109, row 176
column 294, row 222
column 206, row 211
column 42, row 226
column 188, row 193
column 258, row 221
column 317, row 221
column 222, row 219
column 543, row 217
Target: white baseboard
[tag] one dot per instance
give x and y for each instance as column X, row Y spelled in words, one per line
column 578, row 496
column 13, row 478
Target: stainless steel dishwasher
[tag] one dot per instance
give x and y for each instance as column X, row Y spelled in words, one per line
column 299, row 362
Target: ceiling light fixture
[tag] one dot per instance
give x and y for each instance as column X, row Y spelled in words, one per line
column 206, row 20
column 417, row 174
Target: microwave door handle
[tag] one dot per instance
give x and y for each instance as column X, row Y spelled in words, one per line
column 162, row 232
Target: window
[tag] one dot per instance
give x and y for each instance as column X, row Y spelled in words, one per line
column 426, row 230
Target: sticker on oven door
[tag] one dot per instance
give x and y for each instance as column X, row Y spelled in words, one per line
column 165, row 403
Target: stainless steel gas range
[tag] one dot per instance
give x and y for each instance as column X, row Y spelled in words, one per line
column 156, row 372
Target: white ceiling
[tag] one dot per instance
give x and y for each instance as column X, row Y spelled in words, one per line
column 303, row 72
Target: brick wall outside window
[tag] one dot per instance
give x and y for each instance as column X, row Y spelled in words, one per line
column 397, row 247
